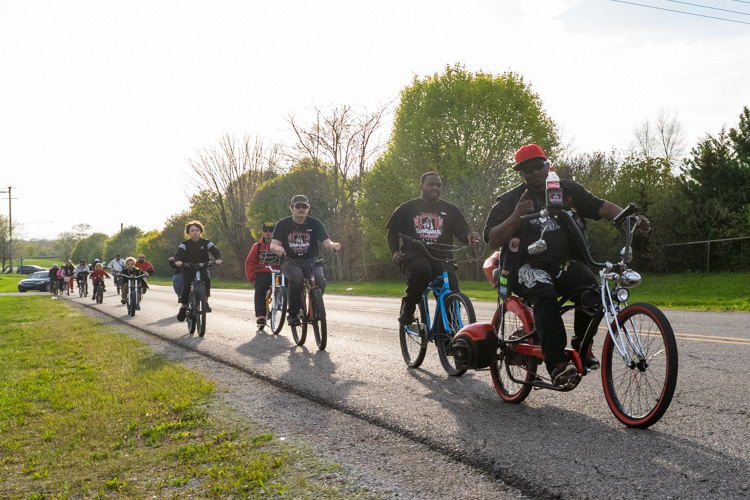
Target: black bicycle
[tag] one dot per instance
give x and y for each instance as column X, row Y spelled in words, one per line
column 83, row 286
column 198, row 299
column 313, row 311
column 134, row 292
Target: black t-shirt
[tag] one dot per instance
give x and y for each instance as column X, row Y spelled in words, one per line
column 560, row 245
column 438, row 222
column 300, row 241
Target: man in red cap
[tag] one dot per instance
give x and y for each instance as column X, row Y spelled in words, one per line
column 559, row 271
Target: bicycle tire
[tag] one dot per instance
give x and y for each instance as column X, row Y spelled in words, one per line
column 132, row 301
column 519, row 366
column 278, row 310
column 190, row 313
column 639, row 393
column 459, row 312
column 414, row 341
column 318, row 314
column 200, row 311
column 99, row 295
column 80, row 290
column 299, row 332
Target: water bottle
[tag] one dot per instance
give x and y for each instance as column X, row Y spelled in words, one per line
column 553, row 192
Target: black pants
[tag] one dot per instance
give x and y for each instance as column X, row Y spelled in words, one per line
column 541, row 286
column 188, row 275
column 419, row 272
column 263, row 282
column 294, row 275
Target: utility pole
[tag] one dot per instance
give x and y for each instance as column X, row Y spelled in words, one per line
column 10, row 226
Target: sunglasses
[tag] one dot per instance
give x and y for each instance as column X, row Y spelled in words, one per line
column 301, row 205
column 536, row 166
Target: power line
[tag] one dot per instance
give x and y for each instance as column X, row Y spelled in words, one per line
column 708, row 7
column 680, row 12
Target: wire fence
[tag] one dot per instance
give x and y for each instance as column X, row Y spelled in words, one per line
column 710, row 256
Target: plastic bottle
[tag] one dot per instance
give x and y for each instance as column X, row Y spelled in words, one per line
column 553, row 192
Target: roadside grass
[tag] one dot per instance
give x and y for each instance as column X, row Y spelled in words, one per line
column 88, row 412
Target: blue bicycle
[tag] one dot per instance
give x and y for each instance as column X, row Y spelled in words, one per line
column 453, row 311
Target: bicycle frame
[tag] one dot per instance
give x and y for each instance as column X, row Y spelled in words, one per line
column 440, row 289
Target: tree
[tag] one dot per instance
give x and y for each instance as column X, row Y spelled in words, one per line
column 226, row 178
column 664, row 139
column 464, row 126
column 90, row 248
column 164, row 245
column 123, row 243
column 342, row 142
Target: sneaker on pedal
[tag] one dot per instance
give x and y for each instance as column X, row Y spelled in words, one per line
column 294, row 320
column 406, row 316
column 591, row 362
column 123, row 301
column 137, row 307
column 261, row 322
column 562, row 373
column 208, row 308
column 182, row 314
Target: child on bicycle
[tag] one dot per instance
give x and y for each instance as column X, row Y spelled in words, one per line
column 131, row 270
column 81, row 272
column 257, row 272
column 97, row 276
column 428, row 219
column 194, row 250
column 297, row 238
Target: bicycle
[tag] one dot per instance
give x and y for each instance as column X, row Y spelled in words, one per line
column 195, row 315
column 276, row 301
column 83, row 288
column 453, row 311
column 134, row 292
column 57, row 286
column 313, row 311
column 118, row 280
column 639, row 357
column 99, row 291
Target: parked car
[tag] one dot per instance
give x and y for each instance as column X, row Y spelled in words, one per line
column 37, row 281
column 29, row 269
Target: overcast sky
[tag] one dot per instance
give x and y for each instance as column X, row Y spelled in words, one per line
column 99, row 97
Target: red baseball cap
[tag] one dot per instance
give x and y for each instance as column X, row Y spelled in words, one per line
column 526, row 153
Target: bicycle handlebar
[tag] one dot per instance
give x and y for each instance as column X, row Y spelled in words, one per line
column 439, row 247
column 197, row 265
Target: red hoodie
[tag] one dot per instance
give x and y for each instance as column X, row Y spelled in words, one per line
column 259, row 257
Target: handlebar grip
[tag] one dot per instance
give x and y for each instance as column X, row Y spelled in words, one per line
column 535, row 215
column 618, row 219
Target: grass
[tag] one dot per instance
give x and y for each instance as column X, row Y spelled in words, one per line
column 88, row 412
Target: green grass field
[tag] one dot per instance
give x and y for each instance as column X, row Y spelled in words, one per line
column 88, row 412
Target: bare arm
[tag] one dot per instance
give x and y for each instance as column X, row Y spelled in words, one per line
column 500, row 235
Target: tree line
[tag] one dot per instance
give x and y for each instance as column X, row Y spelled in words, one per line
column 465, row 126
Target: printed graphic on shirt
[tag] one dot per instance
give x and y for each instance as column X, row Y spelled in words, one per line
column 429, row 226
column 299, row 242
column 529, row 277
column 268, row 258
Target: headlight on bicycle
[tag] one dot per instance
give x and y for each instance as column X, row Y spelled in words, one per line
column 622, row 294
column 630, row 279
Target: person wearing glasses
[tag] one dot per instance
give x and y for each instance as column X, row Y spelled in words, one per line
column 559, row 271
column 296, row 238
column 257, row 272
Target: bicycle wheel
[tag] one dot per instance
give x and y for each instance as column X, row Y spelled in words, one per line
column 99, row 294
column 413, row 339
column 190, row 313
column 132, row 301
column 320, row 328
column 81, row 290
column 201, row 304
column 459, row 312
column 639, row 392
column 278, row 310
column 299, row 332
column 512, row 366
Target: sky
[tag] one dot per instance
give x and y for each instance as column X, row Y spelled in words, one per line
column 103, row 103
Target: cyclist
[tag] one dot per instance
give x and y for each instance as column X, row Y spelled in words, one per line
column 194, row 251
column 258, row 274
column 53, row 276
column 97, row 275
column 81, row 272
column 117, row 265
column 559, row 271
column 146, row 267
column 297, row 238
column 93, row 265
column 428, row 219
column 131, row 270
column 68, row 273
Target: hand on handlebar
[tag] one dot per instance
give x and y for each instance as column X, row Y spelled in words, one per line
column 397, row 258
column 644, row 225
column 474, row 238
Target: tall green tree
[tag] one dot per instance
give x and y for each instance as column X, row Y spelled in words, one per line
column 123, row 243
column 465, row 126
column 160, row 247
column 90, row 248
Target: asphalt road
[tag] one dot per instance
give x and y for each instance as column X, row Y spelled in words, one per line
column 565, row 445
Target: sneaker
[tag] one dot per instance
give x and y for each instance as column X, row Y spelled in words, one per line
column 562, row 373
column 294, row 320
column 591, row 362
column 181, row 315
column 137, row 307
column 123, row 301
column 208, row 308
column 261, row 322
